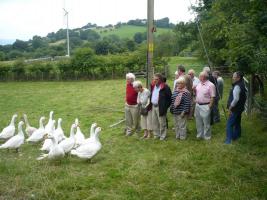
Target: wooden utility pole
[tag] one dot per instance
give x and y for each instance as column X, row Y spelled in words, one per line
column 150, row 42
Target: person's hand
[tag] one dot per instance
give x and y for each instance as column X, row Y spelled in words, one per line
column 182, row 114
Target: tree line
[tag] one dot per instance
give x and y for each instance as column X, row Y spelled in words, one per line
column 235, row 33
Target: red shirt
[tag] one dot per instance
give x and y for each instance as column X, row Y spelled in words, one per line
column 131, row 95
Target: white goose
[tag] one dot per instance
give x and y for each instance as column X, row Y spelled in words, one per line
column 16, row 141
column 59, row 133
column 29, row 129
column 69, row 143
column 79, row 136
column 55, row 151
column 49, row 126
column 48, row 141
column 38, row 135
column 89, row 150
column 9, row 131
column 92, row 134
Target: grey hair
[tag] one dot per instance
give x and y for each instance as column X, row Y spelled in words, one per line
column 206, row 69
column 137, row 84
column 205, row 74
column 191, row 70
column 130, row 76
column 181, row 80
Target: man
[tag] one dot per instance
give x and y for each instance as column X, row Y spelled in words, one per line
column 220, row 82
column 195, row 80
column 161, row 101
column 236, row 105
column 131, row 106
column 188, row 81
column 215, row 112
column 205, row 94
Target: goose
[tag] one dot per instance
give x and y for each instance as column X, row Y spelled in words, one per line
column 59, row 133
column 9, row 131
column 69, row 143
column 16, row 141
column 49, row 125
column 55, row 151
column 89, row 150
column 38, row 135
column 79, row 136
column 29, row 129
column 48, row 141
column 92, row 134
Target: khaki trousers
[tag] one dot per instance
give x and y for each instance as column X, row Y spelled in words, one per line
column 180, row 126
column 132, row 117
column 159, row 124
column 202, row 115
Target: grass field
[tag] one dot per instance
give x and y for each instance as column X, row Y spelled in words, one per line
column 126, row 167
column 128, row 31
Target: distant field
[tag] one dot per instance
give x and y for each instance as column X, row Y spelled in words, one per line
column 188, row 62
column 127, row 167
column 128, row 31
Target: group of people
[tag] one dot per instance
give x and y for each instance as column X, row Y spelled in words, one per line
column 191, row 97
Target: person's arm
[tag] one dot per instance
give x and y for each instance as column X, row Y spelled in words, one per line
column 236, row 96
column 138, row 98
column 169, row 96
column 148, row 98
column 211, row 102
column 187, row 100
column 212, row 94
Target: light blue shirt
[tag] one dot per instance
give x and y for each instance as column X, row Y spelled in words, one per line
column 236, row 95
column 155, row 95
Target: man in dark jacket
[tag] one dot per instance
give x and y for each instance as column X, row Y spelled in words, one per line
column 161, row 101
column 236, row 105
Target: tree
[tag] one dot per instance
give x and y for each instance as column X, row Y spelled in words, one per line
column 102, row 47
column 235, row 33
column 2, row 56
column 38, row 42
column 20, row 45
column 130, row 45
column 139, row 37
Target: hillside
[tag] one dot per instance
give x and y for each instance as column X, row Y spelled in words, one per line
column 128, row 31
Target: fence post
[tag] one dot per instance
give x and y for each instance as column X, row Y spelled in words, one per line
column 250, row 96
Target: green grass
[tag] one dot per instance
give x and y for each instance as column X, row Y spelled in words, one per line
column 126, row 168
column 128, row 31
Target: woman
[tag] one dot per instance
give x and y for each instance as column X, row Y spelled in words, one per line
column 180, row 108
column 143, row 99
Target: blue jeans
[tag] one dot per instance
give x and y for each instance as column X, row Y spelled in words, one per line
column 233, row 127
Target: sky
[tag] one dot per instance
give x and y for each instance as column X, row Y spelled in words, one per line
column 22, row 19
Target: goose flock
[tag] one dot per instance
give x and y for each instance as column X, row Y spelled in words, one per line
column 55, row 144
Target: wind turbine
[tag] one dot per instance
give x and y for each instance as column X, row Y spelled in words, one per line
column 68, row 38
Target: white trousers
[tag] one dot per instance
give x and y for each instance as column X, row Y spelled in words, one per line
column 202, row 115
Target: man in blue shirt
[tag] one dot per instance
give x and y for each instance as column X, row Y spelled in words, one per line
column 161, row 101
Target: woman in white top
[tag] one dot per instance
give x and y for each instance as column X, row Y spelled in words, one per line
column 143, row 99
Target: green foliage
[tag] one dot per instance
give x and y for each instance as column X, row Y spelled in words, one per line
column 235, row 33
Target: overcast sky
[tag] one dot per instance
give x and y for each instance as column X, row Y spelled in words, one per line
column 22, row 19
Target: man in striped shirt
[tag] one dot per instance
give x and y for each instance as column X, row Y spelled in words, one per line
column 180, row 107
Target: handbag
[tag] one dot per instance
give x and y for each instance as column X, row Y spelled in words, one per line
column 144, row 111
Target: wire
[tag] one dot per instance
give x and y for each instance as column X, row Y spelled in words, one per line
column 208, row 59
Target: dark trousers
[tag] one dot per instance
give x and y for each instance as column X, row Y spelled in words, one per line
column 233, row 127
